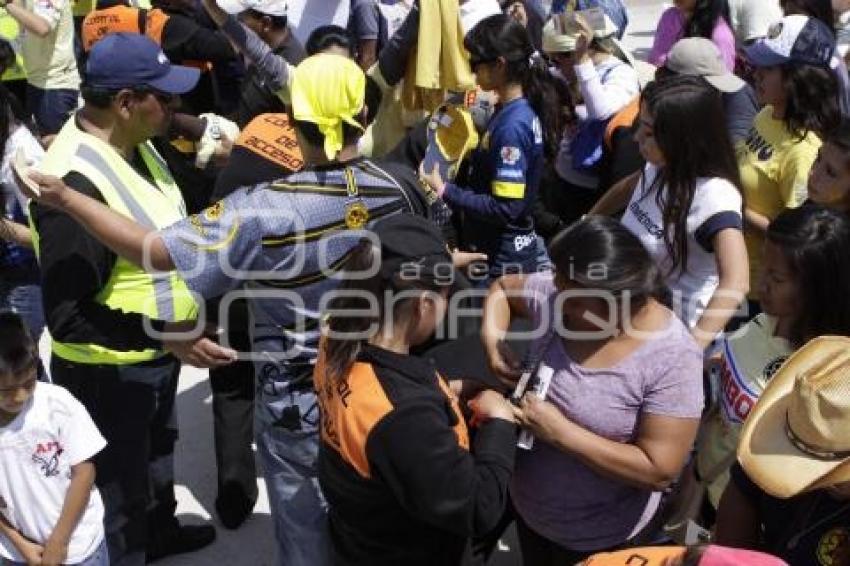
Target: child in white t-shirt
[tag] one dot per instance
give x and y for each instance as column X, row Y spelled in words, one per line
column 50, row 511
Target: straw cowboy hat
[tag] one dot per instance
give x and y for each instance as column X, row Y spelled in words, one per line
column 797, row 437
column 561, row 33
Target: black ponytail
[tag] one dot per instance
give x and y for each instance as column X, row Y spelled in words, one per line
column 346, row 334
column 706, row 15
column 501, row 36
column 539, row 89
column 365, row 289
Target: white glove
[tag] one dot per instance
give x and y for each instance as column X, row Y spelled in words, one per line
column 218, row 138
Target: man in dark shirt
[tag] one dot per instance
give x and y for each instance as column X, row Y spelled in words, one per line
column 104, row 350
column 174, row 26
column 268, row 20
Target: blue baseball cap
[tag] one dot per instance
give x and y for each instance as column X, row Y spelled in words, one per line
column 131, row 60
column 793, row 39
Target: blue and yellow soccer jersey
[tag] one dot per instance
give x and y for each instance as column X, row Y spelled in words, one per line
column 504, row 180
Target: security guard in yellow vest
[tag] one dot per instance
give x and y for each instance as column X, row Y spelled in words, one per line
column 104, row 314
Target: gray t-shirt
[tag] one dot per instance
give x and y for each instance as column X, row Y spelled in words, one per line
column 741, row 108
column 556, row 494
column 364, row 19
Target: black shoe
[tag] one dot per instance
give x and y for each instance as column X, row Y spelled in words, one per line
column 233, row 506
column 185, row 538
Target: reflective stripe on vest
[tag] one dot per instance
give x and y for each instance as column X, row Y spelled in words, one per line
column 129, row 288
column 161, row 281
column 10, row 30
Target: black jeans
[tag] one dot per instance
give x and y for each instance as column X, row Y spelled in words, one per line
column 233, row 422
column 51, row 108
column 133, row 406
column 540, row 551
column 233, row 410
column 560, row 203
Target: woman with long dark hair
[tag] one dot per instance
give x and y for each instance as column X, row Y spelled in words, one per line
column 800, row 97
column 506, row 167
column 625, row 397
column 694, row 18
column 686, row 208
column 806, row 268
column 404, row 481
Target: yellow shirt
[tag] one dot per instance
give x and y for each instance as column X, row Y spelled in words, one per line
column 775, row 168
column 49, row 61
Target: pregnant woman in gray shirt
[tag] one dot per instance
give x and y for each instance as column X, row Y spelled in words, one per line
column 625, row 399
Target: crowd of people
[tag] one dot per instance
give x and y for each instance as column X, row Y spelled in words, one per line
column 453, row 265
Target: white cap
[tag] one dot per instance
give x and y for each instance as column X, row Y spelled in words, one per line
column 473, row 11
column 268, row 7
column 794, row 39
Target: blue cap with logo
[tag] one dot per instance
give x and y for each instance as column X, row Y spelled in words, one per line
column 794, row 39
column 131, row 60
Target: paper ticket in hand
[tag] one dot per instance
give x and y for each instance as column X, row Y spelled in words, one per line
column 536, row 384
column 22, row 168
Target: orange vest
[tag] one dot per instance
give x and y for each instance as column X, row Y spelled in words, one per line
column 101, row 23
column 352, row 407
column 622, row 119
column 272, row 137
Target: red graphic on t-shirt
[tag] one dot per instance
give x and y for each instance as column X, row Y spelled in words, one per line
column 737, row 402
column 46, row 455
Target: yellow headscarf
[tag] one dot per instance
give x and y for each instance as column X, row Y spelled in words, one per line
column 328, row 90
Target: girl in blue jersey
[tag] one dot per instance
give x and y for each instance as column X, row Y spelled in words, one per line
column 505, row 169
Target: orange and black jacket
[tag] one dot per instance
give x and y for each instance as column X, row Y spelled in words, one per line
column 182, row 39
column 395, row 464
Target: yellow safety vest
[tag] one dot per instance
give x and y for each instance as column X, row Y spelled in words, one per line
column 10, row 30
column 129, row 288
column 82, row 7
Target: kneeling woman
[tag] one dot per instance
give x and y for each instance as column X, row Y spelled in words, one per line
column 625, row 398
column 402, row 480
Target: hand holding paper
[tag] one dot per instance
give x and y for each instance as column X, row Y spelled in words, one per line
column 22, row 169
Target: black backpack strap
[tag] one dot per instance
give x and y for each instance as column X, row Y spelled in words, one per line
column 143, row 21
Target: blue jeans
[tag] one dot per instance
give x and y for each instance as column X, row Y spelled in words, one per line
column 286, row 426
column 51, row 108
column 25, row 301
column 290, row 466
column 100, row 557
